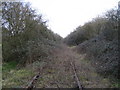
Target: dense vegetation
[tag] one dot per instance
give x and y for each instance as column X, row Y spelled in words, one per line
column 25, row 36
column 101, row 24
column 98, row 39
column 29, row 48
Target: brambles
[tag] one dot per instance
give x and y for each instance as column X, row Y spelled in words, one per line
column 99, row 40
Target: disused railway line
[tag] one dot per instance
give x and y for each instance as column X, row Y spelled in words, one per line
column 76, row 76
column 32, row 83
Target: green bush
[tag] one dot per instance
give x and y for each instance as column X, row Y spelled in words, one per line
column 25, row 35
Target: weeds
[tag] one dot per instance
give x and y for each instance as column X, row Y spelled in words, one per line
column 56, row 71
column 9, row 65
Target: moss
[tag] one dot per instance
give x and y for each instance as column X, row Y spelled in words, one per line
column 83, row 78
column 9, row 65
column 116, row 85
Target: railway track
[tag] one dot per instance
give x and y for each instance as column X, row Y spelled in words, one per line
column 32, row 83
column 79, row 85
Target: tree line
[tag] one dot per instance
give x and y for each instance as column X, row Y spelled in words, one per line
column 25, row 35
column 106, row 24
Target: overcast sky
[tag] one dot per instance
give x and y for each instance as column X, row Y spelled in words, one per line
column 65, row 15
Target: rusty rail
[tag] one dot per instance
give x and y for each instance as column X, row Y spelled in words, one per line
column 31, row 85
column 76, row 77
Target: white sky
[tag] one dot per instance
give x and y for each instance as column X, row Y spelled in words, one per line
column 65, row 15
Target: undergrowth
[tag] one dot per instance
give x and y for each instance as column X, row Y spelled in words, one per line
column 9, row 65
column 13, row 77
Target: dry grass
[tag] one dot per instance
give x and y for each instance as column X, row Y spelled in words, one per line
column 57, row 71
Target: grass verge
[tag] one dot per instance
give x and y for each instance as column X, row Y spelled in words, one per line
column 15, row 78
